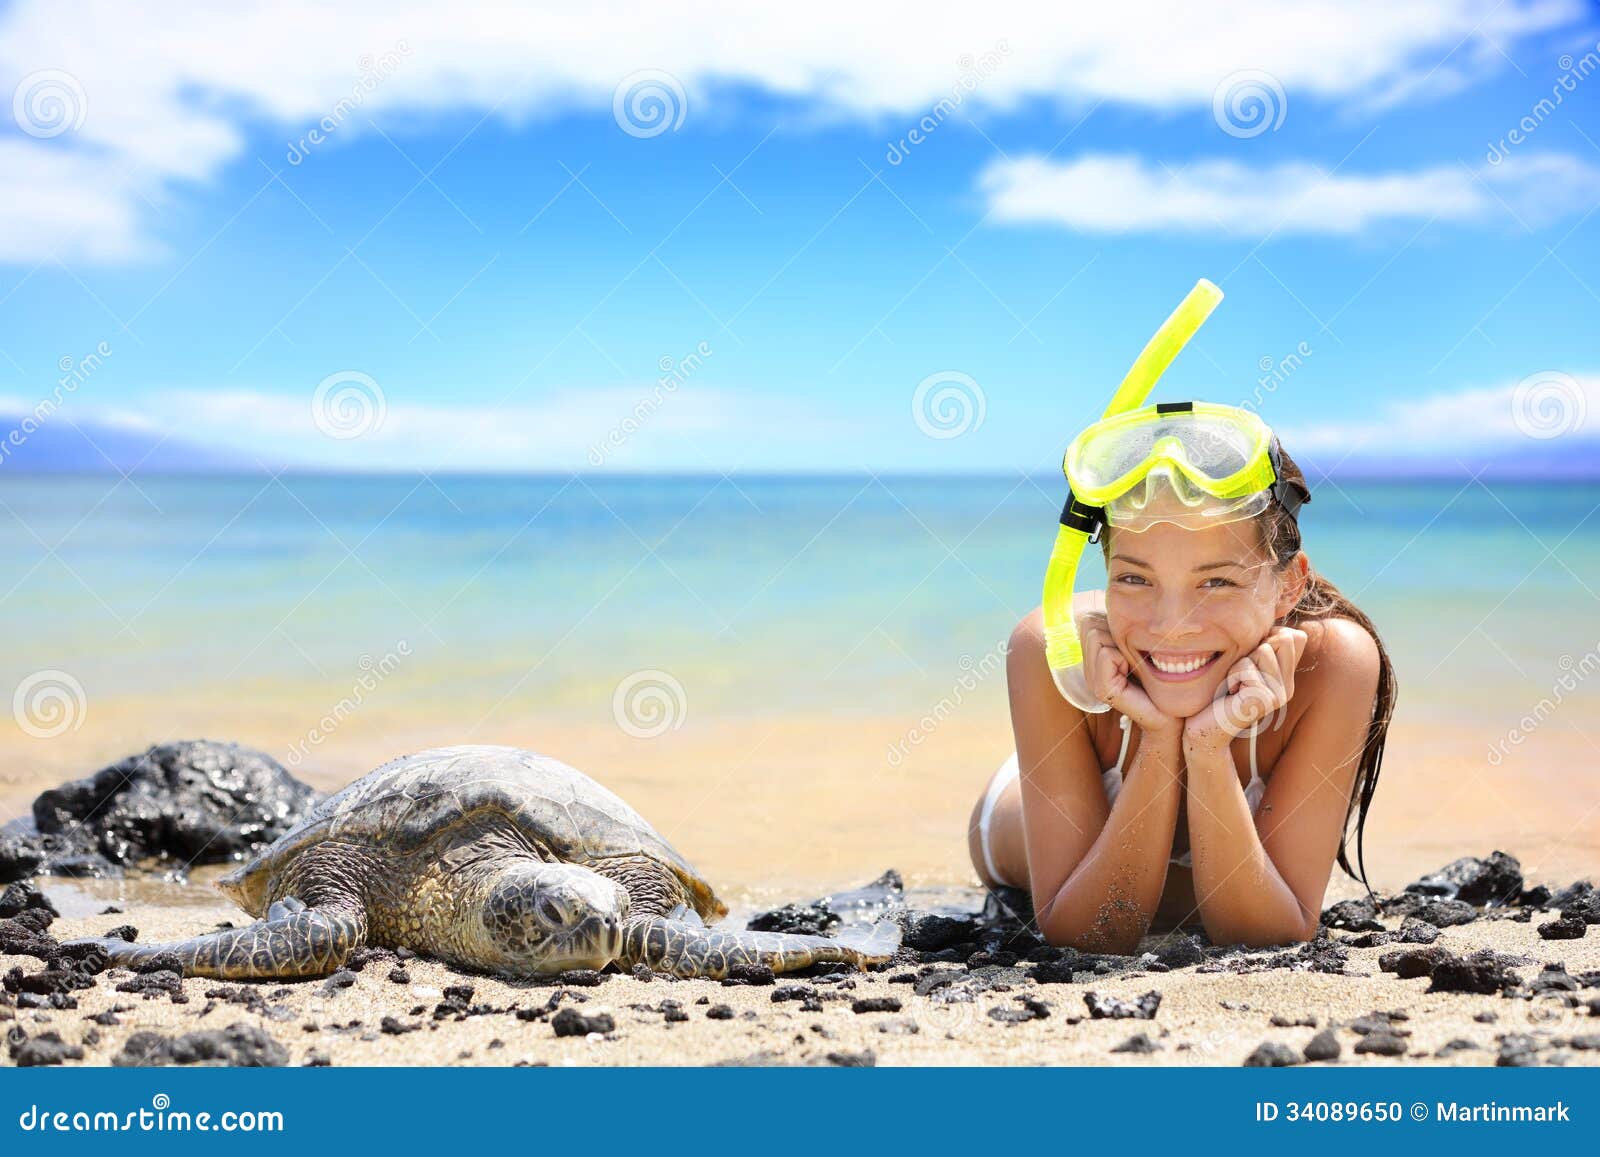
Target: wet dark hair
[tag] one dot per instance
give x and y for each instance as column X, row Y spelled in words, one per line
column 1321, row 599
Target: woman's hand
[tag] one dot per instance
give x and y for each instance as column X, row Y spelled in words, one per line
column 1259, row 684
column 1110, row 678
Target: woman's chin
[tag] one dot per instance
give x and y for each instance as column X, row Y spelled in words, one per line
column 1184, row 704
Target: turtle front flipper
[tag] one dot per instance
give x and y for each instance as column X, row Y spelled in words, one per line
column 693, row 950
column 307, row 942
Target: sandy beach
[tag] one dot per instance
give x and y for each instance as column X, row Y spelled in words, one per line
column 897, row 1016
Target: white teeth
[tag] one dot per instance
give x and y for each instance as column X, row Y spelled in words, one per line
column 1167, row 668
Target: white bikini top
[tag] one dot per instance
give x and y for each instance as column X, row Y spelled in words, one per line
column 1112, row 779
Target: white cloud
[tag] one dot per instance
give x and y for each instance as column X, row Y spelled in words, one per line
column 573, row 430
column 1119, row 194
column 1540, row 410
column 168, row 98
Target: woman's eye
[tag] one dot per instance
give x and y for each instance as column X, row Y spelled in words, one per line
column 1219, row 583
column 1132, row 580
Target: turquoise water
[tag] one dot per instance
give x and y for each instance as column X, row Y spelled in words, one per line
column 850, row 594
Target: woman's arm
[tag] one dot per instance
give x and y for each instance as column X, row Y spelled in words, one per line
column 1096, row 872
column 1260, row 880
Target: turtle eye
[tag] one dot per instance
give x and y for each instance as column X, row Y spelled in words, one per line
column 550, row 912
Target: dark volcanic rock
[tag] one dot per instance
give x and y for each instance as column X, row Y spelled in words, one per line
column 1482, row 972
column 813, row 919
column 45, row 1049
column 1487, row 883
column 197, row 802
column 570, row 1022
column 1323, row 1047
column 1102, row 1006
column 239, row 1044
column 1272, row 1055
column 1384, row 1044
column 1137, row 1043
column 19, row 898
column 1414, row 931
column 1407, row 963
column 930, row 931
column 1446, row 913
column 1181, row 952
column 875, row 1004
column 1564, row 928
column 1353, row 916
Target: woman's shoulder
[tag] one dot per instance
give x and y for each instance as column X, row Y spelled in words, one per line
column 1340, row 653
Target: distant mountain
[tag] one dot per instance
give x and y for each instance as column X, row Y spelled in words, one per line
column 57, row 445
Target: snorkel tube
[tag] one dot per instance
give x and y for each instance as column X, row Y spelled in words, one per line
column 1081, row 524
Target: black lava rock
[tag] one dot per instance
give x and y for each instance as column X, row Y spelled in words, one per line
column 1407, row 963
column 239, row 1044
column 875, row 1004
column 1384, row 1044
column 1137, row 1043
column 1054, row 971
column 1447, row 913
column 570, row 1022
column 1322, row 1047
column 930, row 932
column 1487, row 883
column 1181, row 952
column 1414, row 931
column 757, row 975
column 45, row 1049
column 19, row 898
column 814, row 919
column 1102, row 1006
column 1564, row 928
column 196, row 802
column 1272, row 1055
column 720, row 1012
column 1353, row 916
column 1482, row 972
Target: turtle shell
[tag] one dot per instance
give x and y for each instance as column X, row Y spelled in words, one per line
column 410, row 800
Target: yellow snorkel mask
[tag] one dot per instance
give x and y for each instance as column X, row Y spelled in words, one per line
column 1195, row 464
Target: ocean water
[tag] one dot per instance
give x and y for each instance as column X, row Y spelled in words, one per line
column 758, row 595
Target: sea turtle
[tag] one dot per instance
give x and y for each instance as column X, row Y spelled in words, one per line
column 491, row 858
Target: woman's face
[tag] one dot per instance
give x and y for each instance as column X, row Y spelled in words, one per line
column 1184, row 605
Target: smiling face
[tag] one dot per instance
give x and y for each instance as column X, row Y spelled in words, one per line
column 1184, row 605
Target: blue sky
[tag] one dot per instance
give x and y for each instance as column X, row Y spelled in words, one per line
column 496, row 270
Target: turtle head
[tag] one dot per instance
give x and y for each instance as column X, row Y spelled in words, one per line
column 541, row 918
column 246, row 886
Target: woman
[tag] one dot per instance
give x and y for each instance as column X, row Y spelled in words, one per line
column 1249, row 704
